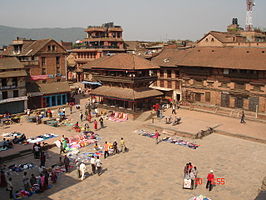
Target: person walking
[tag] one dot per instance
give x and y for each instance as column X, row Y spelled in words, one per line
column 3, row 181
column 174, row 109
column 81, row 116
column 95, row 124
column 157, row 134
column 82, row 169
column 42, row 159
column 122, row 145
column 78, row 169
column 36, row 151
column 115, row 147
column 98, row 166
column 10, row 188
column 93, row 165
column 210, row 180
column 101, row 122
column 106, row 149
column 62, row 149
column 66, row 163
column 70, row 108
column 242, row 121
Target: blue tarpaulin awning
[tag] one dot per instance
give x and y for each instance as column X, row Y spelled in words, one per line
column 91, row 83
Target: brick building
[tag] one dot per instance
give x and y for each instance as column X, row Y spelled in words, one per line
column 100, row 41
column 215, row 76
column 13, row 96
column 45, row 64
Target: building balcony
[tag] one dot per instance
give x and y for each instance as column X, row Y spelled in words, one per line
column 8, row 87
column 103, row 39
column 124, row 79
column 96, row 47
column 242, row 75
column 30, row 63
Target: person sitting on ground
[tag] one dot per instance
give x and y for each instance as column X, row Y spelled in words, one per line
column 33, row 180
column 22, row 138
column 15, row 140
column 53, row 176
column 96, row 147
column 9, row 144
column 4, row 143
column 76, row 125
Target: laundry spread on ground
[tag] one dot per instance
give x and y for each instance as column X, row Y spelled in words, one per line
column 84, row 156
column 200, row 197
column 21, row 167
column 175, row 140
column 41, row 138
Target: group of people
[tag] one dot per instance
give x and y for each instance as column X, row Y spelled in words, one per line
column 191, row 172
column 113, row 148
column 96, row 167
column 8, row 144
column 31, row 183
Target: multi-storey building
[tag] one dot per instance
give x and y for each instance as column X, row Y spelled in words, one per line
column 45, row 64
column 216, row 76
column 100, row 41
column 126, row 79
column 234, row 37
column 13, row 96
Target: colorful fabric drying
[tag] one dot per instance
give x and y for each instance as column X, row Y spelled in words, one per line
column 118, row 117
column 84, row 157
column 169, row 139
column 41, row 138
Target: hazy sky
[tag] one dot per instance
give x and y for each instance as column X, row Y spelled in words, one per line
column 140, row 19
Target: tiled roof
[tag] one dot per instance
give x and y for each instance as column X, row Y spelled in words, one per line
column 48, row 88
column 54, row 88
column 125, row 93
column 223, row 37
column 10, row 63
column 29, row 47
column 169, row 57
column 215, row 57
column 9, row 74
column 34, row 47
column 121, row 61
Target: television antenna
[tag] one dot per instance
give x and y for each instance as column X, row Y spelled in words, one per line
column 249, row 24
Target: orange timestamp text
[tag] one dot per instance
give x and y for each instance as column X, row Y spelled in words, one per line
column 216, row 181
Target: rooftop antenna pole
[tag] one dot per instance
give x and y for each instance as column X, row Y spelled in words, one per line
column 250, row 5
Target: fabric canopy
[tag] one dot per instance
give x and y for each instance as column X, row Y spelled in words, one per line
column 91, row 83
column 39, row 77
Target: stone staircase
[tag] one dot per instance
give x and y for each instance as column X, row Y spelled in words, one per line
column 145, row 116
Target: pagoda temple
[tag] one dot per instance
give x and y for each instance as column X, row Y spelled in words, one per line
column 125, row 82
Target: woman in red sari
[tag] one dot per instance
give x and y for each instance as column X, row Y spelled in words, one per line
column 89, row 117
column 95, row 124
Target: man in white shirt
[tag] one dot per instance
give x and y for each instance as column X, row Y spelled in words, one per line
column 82, row 169
column 99, row 166
column 93, row 165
